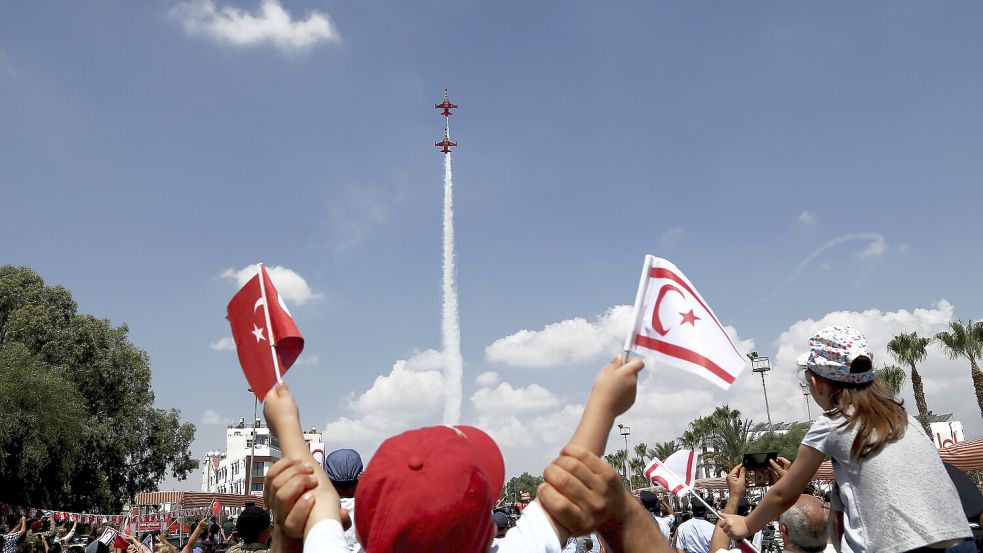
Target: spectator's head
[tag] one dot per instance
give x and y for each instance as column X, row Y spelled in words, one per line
column 743, row 507
column 698, row 508
column 650, row 501
column 253, row 525
column 803, row 526
column 501, row 521
column 213, row 519
column 344, row 466
column 428, row 488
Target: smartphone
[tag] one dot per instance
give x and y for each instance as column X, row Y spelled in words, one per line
column 759, row 460
column 757, row 469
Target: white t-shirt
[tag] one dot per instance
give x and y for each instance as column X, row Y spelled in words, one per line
column 533, row 533
column 897, row 499
column 326, row 536
column 351, row 538
column 664, row 526
column 693, row 536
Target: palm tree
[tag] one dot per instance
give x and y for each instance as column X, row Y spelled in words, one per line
column 893, row 378
column 909, row 349
column 730, row 441
column 662, row 450
column 642, row 452
column 617, row 460
column 966, row 340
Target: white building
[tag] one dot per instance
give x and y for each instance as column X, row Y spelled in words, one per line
column 245, row 446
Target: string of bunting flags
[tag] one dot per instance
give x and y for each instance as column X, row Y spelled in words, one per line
column 96, row 518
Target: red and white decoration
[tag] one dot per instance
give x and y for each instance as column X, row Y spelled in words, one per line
column 677, row 473
column 675, row 325
column 258, row 333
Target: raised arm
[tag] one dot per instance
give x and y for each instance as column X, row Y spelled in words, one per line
column 736, row 485
column 779, row 498
column 323, row 502
column 190, row 546
column 612, row 394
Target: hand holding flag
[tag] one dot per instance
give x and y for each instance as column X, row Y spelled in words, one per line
column 675, row 325
column 267, row 341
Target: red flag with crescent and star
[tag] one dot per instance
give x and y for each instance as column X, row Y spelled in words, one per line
column 253, row 313
column 675, row 325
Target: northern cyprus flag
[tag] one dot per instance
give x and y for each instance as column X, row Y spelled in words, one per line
column 676, row 474
column 675, row 325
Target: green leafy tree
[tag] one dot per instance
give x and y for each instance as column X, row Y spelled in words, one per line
column 525, row 482
column 909, row 349
column 116, row 443
column 787, row 444
column 662, row 450
column 891, row 377
column 966, row 340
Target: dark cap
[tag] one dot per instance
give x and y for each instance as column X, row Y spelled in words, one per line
column 343, row 466
column 500, row 519
column 649, row 500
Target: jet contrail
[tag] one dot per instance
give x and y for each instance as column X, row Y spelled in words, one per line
column 451, row 323
column 873, row 237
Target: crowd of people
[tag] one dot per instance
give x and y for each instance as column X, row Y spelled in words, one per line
column 435, row 489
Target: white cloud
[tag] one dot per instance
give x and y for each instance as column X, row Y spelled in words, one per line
column 235, row 27
column 291, row 285
column 211, row 417
column 807, row 218
column 671, row 236
column 505, row 399
column 225, row 343
column 307, row 360
column 874, row 249
column 487, row 379
column 409, row 396
column 570, row 341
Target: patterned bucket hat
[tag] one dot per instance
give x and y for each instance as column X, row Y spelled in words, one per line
column 831, row 352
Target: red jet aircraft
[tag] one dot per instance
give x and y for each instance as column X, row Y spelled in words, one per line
column 446, row 105
column 445, row 143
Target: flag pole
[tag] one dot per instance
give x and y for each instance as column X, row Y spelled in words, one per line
column 269, row 326
column 693, row 493
column 637, row 311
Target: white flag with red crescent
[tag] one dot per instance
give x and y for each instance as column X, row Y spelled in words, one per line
column 675, row 325
column 677, row 473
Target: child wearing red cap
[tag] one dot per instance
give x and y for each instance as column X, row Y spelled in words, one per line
column 433, row 489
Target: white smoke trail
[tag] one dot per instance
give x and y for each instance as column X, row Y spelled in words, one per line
column 450, row 324
column 875, row 247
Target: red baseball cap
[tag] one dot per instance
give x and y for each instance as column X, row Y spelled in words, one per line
column 430, row 490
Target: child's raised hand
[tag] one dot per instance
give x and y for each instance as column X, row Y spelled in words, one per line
column 281, row 414
column 615, row 386
column 287, row 494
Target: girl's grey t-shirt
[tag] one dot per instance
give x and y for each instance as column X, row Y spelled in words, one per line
column 898, row 498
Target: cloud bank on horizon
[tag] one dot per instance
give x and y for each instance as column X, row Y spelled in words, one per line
column 532, row 422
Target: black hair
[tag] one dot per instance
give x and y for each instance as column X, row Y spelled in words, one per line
column 251, row 524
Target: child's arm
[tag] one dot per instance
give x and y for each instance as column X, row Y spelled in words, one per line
column 281, row 414
column 779, row 498
column 190, row 546
column 612, row 394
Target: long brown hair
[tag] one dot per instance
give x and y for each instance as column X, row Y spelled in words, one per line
column 871, row 407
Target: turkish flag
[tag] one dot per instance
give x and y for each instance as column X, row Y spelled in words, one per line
column 248, row 316
column 675, row 325
column 215, row 507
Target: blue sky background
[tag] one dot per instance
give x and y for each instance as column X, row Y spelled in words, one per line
column 140, row 160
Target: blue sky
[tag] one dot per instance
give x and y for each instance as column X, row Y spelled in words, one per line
column 148, row 148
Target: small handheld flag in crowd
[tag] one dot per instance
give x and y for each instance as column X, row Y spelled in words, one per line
column 682, row 462
column 215, row 507
column 108, row 536
column 148, row 543
column 675, row 325
column 667, row 473
column 267, row 341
